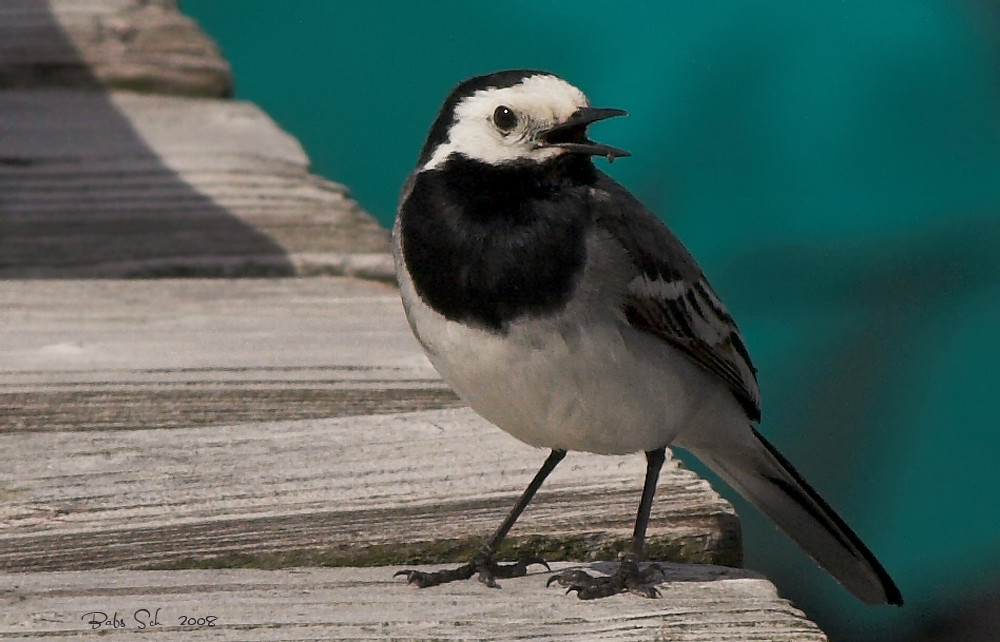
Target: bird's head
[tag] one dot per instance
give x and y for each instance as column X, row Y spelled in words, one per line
column 515, row 116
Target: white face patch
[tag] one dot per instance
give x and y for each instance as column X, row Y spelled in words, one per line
column 539, row 102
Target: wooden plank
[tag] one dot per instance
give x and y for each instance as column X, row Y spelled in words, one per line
column 133, row 185
column 103, row 355
column 65, row 331
column 698, row 604
column 355, row 490
column 205, row 402
column 144, row 45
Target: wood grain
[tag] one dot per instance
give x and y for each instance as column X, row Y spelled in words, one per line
column 113, row 468
column 143, row 45
column 129, row 185
column 356, row 490
column 698, row 604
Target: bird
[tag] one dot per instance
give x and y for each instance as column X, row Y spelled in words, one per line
column 563, row 311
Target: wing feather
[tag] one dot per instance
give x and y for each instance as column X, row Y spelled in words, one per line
column 670, row 297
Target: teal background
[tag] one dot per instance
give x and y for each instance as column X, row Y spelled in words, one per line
column 835, row 167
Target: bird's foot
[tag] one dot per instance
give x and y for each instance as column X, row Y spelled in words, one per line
column 627, row 579
column 483, row 564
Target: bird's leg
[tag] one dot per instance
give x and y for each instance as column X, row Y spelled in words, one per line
column 484, row 563
column 628, row 577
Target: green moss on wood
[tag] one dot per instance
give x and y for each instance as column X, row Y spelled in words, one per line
column 717, row 543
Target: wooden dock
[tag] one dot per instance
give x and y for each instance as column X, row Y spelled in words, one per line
column 258, row 429
column 699, row 603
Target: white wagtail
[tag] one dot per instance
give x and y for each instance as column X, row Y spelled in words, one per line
column 563, row 311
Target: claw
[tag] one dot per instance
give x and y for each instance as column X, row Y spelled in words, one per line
column 487, row 569
column 411, row 575
column 569, row 578
column 627, row 579
column 535, row 560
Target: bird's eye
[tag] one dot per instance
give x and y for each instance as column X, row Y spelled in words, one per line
column 504, row 118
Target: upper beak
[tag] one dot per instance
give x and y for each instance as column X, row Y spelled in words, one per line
column 571, row 134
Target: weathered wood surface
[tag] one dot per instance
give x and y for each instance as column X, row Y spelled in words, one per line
column 114, row 457
column 356, row 490
column 144, row 45
column 698, row 604
column 123, row 184
column 109, row 355
column 111, row 486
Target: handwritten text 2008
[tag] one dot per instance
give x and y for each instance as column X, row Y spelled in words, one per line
column 145, row 618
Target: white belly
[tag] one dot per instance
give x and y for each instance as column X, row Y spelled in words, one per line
column 600, row 390
column 598, row 386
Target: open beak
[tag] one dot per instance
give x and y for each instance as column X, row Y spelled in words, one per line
column 571, row 134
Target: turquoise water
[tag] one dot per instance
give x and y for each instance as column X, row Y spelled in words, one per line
column 835, row 167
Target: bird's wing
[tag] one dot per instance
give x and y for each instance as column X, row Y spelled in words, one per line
column 670, row 297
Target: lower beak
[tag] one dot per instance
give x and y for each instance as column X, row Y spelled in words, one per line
column 571, row 134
